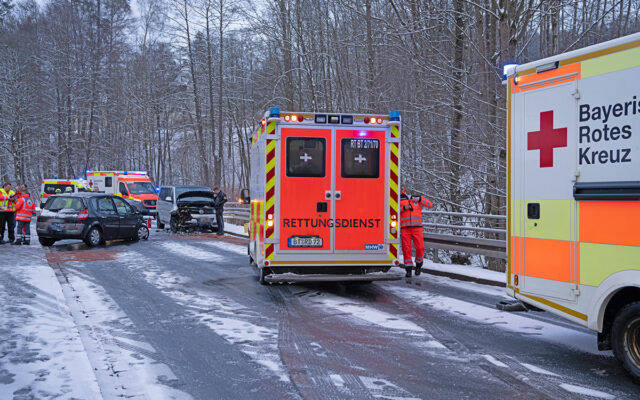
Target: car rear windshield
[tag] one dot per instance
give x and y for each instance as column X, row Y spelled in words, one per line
column 62, row 203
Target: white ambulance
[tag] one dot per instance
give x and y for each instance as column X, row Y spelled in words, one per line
column 574, row 190
column 324, row 197
column 134, row 185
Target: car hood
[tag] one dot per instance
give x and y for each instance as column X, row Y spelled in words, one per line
column 195, row 193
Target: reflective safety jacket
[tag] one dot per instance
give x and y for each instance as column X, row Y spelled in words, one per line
column 6, row 205
column 411, row 213
column 25, row 208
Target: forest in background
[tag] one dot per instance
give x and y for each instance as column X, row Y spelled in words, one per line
column 176, row 87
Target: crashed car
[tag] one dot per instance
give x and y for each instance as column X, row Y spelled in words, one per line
column 90, row 217
column 186, row 209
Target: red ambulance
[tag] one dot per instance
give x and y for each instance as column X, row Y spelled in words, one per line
column 324, row 196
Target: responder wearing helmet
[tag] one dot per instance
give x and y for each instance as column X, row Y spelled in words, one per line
column 411, row 229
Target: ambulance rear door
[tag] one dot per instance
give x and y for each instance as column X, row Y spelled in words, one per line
column 545, row 145
column 305, row 205
column 360, row 190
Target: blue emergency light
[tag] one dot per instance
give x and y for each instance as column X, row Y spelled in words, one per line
column 507, row 69
column 274, row 112
column 394, row 115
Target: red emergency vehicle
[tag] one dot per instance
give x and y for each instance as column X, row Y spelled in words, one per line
column 135, row 185
column 325, row 196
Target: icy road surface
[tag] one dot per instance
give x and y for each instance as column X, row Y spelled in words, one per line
column 183, row 317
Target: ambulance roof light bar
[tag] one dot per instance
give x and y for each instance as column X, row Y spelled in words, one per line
column 274, row 112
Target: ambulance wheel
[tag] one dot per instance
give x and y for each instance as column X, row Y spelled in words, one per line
column 94, row 237
column 46, row 241
column 263, row 274
column 625, row 338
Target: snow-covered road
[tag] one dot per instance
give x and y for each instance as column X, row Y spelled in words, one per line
column 184, row 317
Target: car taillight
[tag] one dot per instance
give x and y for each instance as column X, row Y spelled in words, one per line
column 83, row 215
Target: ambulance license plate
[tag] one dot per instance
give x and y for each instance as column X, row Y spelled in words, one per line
column 305, row 242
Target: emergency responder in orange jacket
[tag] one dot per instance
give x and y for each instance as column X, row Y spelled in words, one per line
column 411, row 229
column 25, row 208
column 7, row 212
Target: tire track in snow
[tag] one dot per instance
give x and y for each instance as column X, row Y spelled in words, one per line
column 189, row 251
column 232, row 321
column 123, row 369
column 545, row 384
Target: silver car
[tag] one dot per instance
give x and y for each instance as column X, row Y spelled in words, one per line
column 186, row 208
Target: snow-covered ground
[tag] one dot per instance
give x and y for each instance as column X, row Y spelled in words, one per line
column 65, row 334
column 42, row 354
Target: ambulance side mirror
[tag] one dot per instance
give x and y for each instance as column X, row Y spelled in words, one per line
column 244, row 196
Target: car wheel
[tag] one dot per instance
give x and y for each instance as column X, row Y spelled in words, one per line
column 94, row 237
column 143, row 233
column 46, row 241
column 625, row 335
column 173, row 224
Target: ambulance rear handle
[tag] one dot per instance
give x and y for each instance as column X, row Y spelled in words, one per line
column 336, row 195
column 533, row 210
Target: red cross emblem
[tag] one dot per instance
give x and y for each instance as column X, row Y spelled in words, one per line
column 546, row 139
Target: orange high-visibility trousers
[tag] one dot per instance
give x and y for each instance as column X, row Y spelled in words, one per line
column 408, row 235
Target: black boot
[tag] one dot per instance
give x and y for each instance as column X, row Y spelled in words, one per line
column 419, row 268
column 17, row 242
column 408, row 274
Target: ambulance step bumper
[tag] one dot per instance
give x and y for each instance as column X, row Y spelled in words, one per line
column 304, row 278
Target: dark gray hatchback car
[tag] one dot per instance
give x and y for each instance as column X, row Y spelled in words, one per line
column 90, row 217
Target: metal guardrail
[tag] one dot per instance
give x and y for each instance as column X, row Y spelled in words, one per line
column 463, row 232
column 466, row 232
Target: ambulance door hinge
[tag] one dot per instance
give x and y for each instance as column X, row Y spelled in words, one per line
column 393, row 140
column 575, row 292
column 272, row 137
column 391, row 241
column 272, row 241
column 576, row 94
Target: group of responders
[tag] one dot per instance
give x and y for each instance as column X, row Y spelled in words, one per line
column 331, row 223
column 588, row 134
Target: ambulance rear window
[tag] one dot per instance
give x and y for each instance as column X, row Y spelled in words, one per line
column 360, row 158
column 306, row 157
column 50, row 188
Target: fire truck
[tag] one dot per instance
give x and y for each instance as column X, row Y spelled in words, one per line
column 134, row 185
column 324, row 197
column 573, row 130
